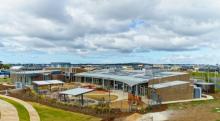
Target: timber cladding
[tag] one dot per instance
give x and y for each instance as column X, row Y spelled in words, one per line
column 183, row 77
column 174, row 93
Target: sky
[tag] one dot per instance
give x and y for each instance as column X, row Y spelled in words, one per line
column 110, row 31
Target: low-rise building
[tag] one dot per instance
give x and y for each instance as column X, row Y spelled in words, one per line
column 135, row 82
column 25, row 78
column 69, row 72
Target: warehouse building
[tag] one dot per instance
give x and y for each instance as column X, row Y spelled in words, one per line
column 137, row 82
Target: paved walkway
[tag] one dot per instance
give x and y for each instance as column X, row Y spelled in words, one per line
column 8, row 112
column 121, row 95
column 157, row 116
column 205, row 97
column 32, row 112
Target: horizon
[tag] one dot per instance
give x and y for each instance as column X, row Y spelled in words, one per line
column 117, row 63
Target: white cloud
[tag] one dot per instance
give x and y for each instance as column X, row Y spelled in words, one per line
column 87, row 26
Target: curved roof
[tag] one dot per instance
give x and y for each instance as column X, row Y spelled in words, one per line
column 129, row 77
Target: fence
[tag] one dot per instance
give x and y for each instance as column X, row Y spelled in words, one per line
column 98, row 111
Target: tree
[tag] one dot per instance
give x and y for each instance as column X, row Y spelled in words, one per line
column 6, row 66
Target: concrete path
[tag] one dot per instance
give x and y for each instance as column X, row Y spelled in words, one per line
column 121, row 95
column 32, row 112
column 8, row 112
column 157, row 116
column 205, row 97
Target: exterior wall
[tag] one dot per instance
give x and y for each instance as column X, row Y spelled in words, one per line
column 28, row 78
column 58, row 77
column 69, row 72
column 174, row 93
column 37, row 78
column 184, row 77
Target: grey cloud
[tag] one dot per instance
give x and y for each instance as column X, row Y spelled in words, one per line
column 89, row 26
column 49, row 9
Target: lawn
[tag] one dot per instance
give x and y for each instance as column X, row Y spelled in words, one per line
column 5, row 80
column 22, row 112
column 204, row 75
column 47, row 113
column 100, row 97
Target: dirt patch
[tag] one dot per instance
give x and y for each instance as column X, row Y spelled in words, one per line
column 196, row 114
column 126, row 106
column 6, row 87
column 101, row 97
column 159, row 108
column 197, row 111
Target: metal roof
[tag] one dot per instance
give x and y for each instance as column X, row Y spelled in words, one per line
column 35, row 72
column 167, row 84
column 47, row 82
column 129, row 77
column 204, row 83
column 76, row 91
column 16, row 67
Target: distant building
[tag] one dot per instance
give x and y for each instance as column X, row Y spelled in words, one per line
column 158, row 66
column 127, row 68
column 176, row 68
column 60, row 64
column 4, row 74
column 26, row 68
column 17, row 68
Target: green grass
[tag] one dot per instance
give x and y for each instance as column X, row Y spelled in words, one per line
column 204, row 75
column 5, row 80
column 47, row 113
column 22, row 111
column 217, row 110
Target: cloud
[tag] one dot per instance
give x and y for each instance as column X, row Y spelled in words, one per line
column 102, row 26
column 205, row 58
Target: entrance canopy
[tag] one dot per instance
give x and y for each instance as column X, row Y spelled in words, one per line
column 76, row 91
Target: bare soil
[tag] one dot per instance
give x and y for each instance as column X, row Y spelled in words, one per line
column 197, row 111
